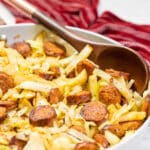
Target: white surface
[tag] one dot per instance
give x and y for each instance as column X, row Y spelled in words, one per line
column 6, row 15
column 137, row 11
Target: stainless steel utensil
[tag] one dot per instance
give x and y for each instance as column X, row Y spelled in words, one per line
column 105, row 55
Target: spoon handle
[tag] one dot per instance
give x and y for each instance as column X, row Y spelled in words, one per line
column 30, row 11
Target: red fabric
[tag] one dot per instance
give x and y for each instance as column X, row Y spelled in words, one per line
column 83, row 14
column 129, row 34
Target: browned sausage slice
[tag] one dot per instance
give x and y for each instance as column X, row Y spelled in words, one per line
column 3, row 113
column 6, row 82
column 109, row 94
column 86, row 146
column 86, row 64
column 116, row 129
column 72, row 74
column 100, row 138
column 23, row 48
column 55, row 71
column 80, row 97
column 117, row 74
column 42, row 115
column 123, row 101
column 120, row 129
column 54, row 96
column 79, row 128
column 51, row 49
column 94, row 111
column 16, row 142
column 9, row 104
column 131, row 125
column 46, row 76
column 146, row 105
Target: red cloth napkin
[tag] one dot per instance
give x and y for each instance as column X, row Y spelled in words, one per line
column 83, row 14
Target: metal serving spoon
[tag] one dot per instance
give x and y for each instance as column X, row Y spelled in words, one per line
column 105, row 55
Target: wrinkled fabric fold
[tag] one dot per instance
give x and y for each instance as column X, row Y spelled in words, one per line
column 83, row 14
column 129, row 34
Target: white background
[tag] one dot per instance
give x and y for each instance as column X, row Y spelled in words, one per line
column 137, row 11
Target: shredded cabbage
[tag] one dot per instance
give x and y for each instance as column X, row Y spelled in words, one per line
column 32, row 89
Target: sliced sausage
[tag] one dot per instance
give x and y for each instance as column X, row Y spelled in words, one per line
column 117, row 74
column 9, row 104
column 109, row 94
column 71, row 74
column 86, row 146
column 100, row 138
column 17, row 143
column 46, row 76
column 123, row 101
column 146, row 105
column 51, row 49
column 94, row 111
column 86, row 64
column 6, row 82
column 55, row 71
column 80, row 97
column 3, row 113
column 120, row 129
column 54, row 96
column 23, row 48
column 116, row 129
column 131, row 125
column 79, row 128
column 42, row 115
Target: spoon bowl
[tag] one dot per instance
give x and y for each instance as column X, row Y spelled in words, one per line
column 105, row 55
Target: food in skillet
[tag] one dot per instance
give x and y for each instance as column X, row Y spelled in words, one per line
column 54, row 98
